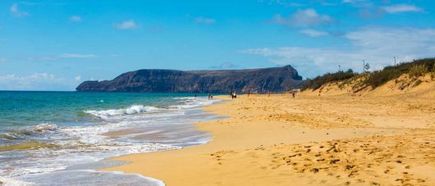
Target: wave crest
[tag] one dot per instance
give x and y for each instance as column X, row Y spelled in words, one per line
column 134, row 109
column 44, row 127
column 29, row 131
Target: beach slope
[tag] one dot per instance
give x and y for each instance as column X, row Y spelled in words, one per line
column 309, row 140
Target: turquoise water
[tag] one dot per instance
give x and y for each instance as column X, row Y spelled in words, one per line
column 30, row 108
column 52, row 134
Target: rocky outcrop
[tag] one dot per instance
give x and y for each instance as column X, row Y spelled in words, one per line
column 214, row 81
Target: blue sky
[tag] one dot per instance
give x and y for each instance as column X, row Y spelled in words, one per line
column 56, row 44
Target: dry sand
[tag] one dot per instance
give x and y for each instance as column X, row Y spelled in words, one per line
column 310, row 140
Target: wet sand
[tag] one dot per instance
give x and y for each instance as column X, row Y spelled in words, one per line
column 310, row 140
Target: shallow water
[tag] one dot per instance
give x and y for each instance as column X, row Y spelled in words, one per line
column 47, row 135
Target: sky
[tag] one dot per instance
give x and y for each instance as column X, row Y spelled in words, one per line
column 57, row 44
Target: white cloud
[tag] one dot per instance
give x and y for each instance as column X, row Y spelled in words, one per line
column 63, row 56
column 78, row 78
column 126, row 25
column 313, row 33
column 205, row 20
column 225, row 65
column 303, row 18
column 77, row 56
column 33, row 77
column 14, row 9
column 36, row 81
column 401, row 8
column 361, row 3
column 377, row 46
column 354, row 1
column 75, row 19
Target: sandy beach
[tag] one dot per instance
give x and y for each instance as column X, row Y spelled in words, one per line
column 309, row 140
column 217, row 93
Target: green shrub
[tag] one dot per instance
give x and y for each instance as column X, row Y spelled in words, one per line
column 418, row 70
column 376, row 78
column 433, row 71
column 328, row 78
column 379, row 78
column 416, row 83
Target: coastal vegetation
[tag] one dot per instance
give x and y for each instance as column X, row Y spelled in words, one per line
column 374, row 79
column 329, row 77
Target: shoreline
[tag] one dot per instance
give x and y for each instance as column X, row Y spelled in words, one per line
column 220, row 100
column 122, row 131
column 250, row 146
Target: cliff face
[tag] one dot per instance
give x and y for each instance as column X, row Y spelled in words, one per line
column 217, row 81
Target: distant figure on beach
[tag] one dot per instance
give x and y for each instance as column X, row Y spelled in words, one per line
column 294, row 91
column 210, row 96
column 233, row 95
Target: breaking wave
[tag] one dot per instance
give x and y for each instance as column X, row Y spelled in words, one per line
column 24, row 132
column 184, row 103
column 134, row 109
column 136, row 129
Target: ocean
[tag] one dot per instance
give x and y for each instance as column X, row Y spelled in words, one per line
column 63, row 138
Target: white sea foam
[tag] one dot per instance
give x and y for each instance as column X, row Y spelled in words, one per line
column 44, row 127
column 25, row 132
column 185, row 103
column 94, row 178
column 13, row 182
column 134, row 109
column 192, row 102
column 88, row 143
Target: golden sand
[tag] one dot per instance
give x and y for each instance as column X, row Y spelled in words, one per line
column 310, row 140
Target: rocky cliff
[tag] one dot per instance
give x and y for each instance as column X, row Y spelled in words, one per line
column 214, row 81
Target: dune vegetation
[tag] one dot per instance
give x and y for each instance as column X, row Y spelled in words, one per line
column 373, row 79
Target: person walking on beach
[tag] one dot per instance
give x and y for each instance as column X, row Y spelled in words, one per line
column 294, row 91
column 233, row 95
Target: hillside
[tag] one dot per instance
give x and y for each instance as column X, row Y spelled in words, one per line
column 417, row 77
column 276, row 79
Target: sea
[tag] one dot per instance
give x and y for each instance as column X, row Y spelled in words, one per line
column 66, row 138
